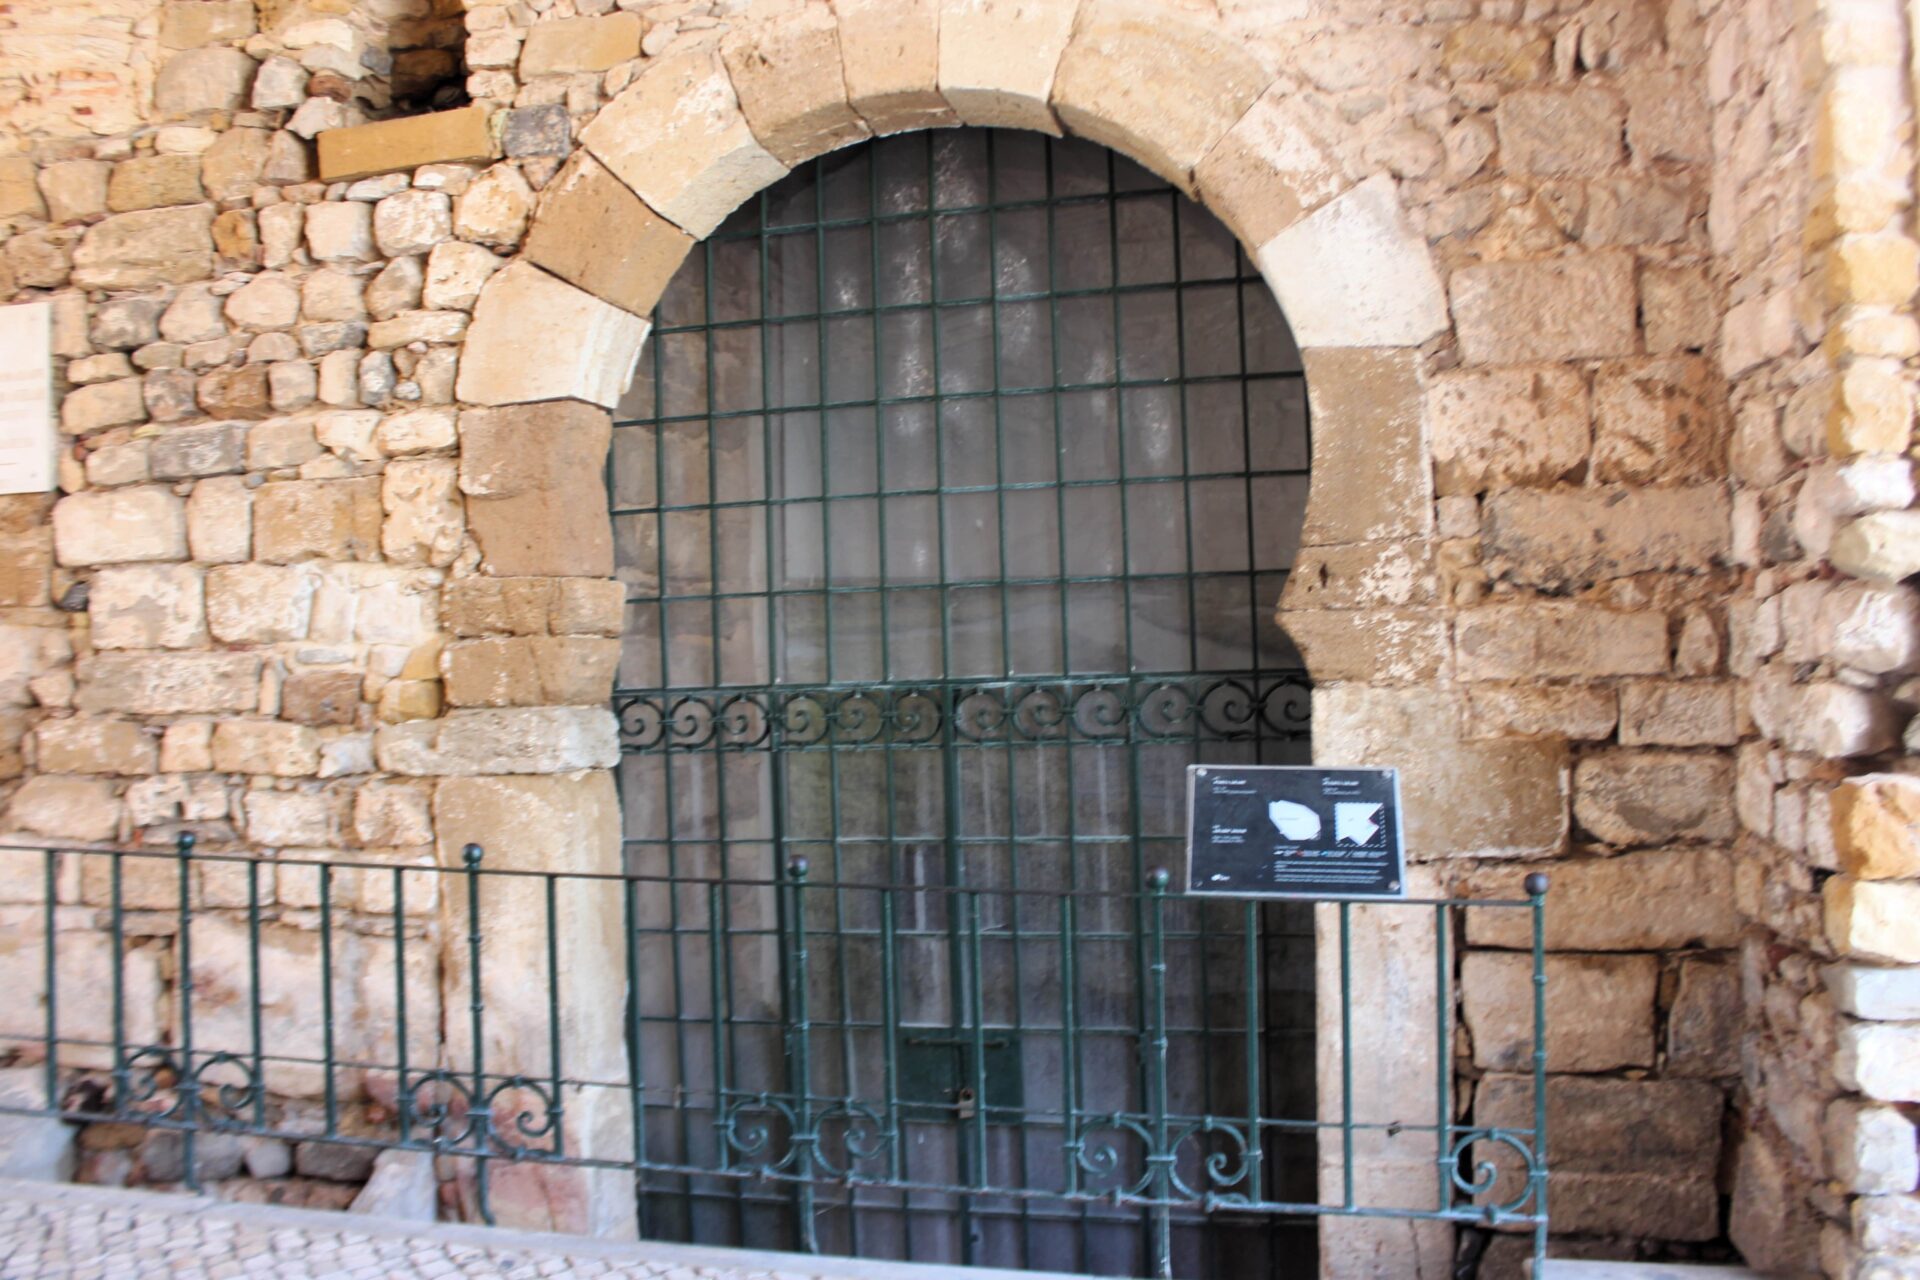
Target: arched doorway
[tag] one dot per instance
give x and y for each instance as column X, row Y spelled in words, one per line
column 953, row 496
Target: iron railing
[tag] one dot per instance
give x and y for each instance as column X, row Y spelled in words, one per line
column 842, row 1105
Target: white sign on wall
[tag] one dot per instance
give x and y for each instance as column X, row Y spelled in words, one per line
column 26, row 398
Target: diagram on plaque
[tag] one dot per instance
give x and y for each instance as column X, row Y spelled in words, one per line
column 1296, row 832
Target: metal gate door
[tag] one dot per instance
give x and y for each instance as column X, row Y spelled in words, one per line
column 954, row 497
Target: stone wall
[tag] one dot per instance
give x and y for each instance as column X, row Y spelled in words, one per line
column 1606, row 315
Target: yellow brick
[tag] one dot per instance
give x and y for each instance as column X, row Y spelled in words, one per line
column 444, row 137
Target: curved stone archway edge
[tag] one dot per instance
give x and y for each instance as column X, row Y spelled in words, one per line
column 704, row 128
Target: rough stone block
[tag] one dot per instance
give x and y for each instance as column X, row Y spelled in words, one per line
column 1873, row 919
column 403, row 1185
column 597, row 235
column 535, row 606
column 1828, row 718
column 1606, row 1004
column 212, row 79
column 1660, row 900
column 494, row 208
column 998, row 58
column 75, row 189
column 890, row 55
column 259, row 603
column 1658, row 420
column 1872, row 1148
column 169, row 683
column 538, row 131
column 84, row 962
column 538, row 511
column 535, row 337
column 283, row 819
column 1633, row 1157
column 114, row 526
column 34, row 1148
column 220, row 520
column 532, row 671
column 1876, row 826
column 1580, row 712
column 1572, row 538
column 1881, row 547
column 147, row 607
column 1372, row 283
column 1868, row 627
column 1531, row 642
column 410, row 222
column 1770, row 1220
column 327, row 519
column 104, row 404
column 1111, row 85
column 65, row 808
column 1707, row 1020
column 1548, row 309
column 321, row 697
column 1553, row 132
column 426, row 521
column 1880, row 1060
column 150, row 182
column 392, row 816
column 89, row 744
column 1492, row 428
column 442, row 137
column 182, row 453
column 1270, row 168
column 677, row 136
column 558, row 47
column 270, row 747
column 1380, row 646
column 1668, row 713
column 1372, row 481
column 1650, row 797
column 787, row 72
column 506, row 740
column 1877, row 994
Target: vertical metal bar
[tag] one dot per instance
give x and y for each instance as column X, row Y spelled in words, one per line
column 717, row 1019
column 329, row 1086
column 890, row 1028
column 1071, row 1144
column 482, row 1118
column 977, row 1038
column 1443, row 1064
column 636, row 1066
column 556, row 1105
column 188, row 1087
column 401, row 1091
column 259, row 1091
column 799, row 1031
column 50, row 887
column 1537, row 892
column 1250, row 931
column 1346, row 1053
column 1160, row 1158
column 118, row 916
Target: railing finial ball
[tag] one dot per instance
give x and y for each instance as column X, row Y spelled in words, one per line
column 186, row 841
column 1537, row 883
column 799, row 868
column 472, row 854
column 1159, row 878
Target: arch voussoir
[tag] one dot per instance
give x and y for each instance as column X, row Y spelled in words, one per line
column 998, row 59
column 788, row 75
column 596, row 234
column 536, row 337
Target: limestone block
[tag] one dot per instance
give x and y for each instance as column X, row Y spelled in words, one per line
column 1492, row 428
column 235, row 393
column 1607, row 999
column 678, row 137
column 1874, row 409
column 213, row 79
column 1629, row 1156
column 1836, row 490
column 493, row 210
column 341, row 231
column 27, row 652
column 1381, row 646
column 1373, row 483
column 84, row 961
column 998, row 58
column 1658, row 420
column 596, row 234
column 150, row 182
column 268, row 301
column 1888, row 1225
column 109, row 526
column 104, row 404
column 416, row 431
column 220, row 520
column 32, row 1148
column 786, row 70
column 505, row 740
column 1770, row 1220
column 75, row 189
column 1707, row 1020
column 1876, row 826
column 1113, row 86
column 1882, row 547
column 425, row 521
column 1529, row 710
column 65, row 808
column 19, row 192
column 1873, row 919
column 1827, row 718
column 1559, row 131
column 376, row 604
column 1880, row 1060
column 271, row 747
column 1872, row 270
column 1546, row 640
column 530, row 671
column 1678, row 713
column 1880, row 995
column 1549, row 309
column 328, row 519
column 1676, row 305
column 1578, row 537
column 388, row 146
column 195, row 315
column 580, row 44
column 411, row 327
column 259, row 603
column 147, row 607
column 412, row 222
column 1370, row 575
column 535, row 337
column 397, row 288
column 217, row 448
column 1354, row 273
column 535, row 606
column 538, row 131
column 1872, row 1148
column 403, row 1185
column 147, row 684
column 321, row 697
column 455, row 273
column 278, row 819
column 890, row 55
column 1502, row 51
column 94, row 744
column 1660, row 900
column 1649, row 797
column 1667, row 117
column 390, row 815
column 1271, row 167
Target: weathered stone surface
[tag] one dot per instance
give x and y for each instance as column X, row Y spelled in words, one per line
column 538, row 131
column 531, row 671
column 535, row 606
column 1578, row 537
column 1270, row 168
column 585, row 213
column 441, row 137
column 455, row 273
column 1658, row 420
column 321, row 697
column 786, row 71
column 1491, row 428
column 328, row 519
column 341, row 231
column 1649, row 797
column 1828, row 718
column 27, row 652
column 1770, row 1220
column 89, row 744
column 65, row 808
column 1659, row 900
column 1507, row 642
column 217, row 448
column 580, row 44
column 535, row 337
column 537, row 512
column 259, row 603
column 507, row 740
column 1878, row 994
column 1876, row 826
column 1545, row 310
column 104, row 404
column 1882, row 547
column 1110, row 86
column 34, row 1148
column 144, row 249
column 1502, row 51
column 196, row 22
column 268, row 301
column 1707, row 1020
column 147, row 607
column 1872, row 1148
column 1377, row 645
column 1372, row 481
column 392, row 815
column 220, row 520
column 110, row 526
column 1667, row 116
column 75, row 189
column 494, row 209
column 1373, row 283
column 1690, row 713
column 1576, row 711
column 1559, row 131
column 281, row 818
column 1880, row 1060
column 890, row 55
column 214, row 79
column 425, row 521
column 82, row 958
column 397, row 288
column 1873, row 919
column 412, row 222
column 270, row 747
column 149, row 182
column 1629, row 1156
column 1613, row 995
column 703, row 162
column 235, row 393
column 417, row 431
column 403, row 1185
column 169, row 683
column 998, row 57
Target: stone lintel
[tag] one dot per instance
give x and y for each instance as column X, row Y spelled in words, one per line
column 443, row 137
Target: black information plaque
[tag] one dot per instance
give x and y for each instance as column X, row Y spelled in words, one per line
column 1287, row 831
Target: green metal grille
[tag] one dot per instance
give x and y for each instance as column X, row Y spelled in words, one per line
column 954, row 495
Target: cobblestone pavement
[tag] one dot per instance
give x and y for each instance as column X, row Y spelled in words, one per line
column 50, row 1231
